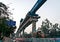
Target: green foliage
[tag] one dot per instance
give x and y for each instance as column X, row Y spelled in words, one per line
column 50, row 30
column 5, row 30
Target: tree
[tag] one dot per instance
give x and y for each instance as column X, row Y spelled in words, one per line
column 5, row 30
column 55, row 31
column 45, row 26
column 50, row 30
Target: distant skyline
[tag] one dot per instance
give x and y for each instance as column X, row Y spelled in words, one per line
column 49, row 10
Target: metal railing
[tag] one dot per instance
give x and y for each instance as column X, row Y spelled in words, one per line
column 39, row 40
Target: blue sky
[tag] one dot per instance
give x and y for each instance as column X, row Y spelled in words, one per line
column 49, row 10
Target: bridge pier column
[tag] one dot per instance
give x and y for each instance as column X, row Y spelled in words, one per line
column 23, row 33
column 33, row 28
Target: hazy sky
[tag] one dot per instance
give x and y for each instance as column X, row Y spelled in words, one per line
column 49, row 10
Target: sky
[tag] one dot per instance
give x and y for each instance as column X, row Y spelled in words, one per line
column 50, row 10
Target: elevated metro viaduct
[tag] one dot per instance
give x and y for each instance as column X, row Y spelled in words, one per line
column 31, row 18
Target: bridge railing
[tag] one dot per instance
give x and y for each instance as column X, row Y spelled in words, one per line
column 38, row 40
